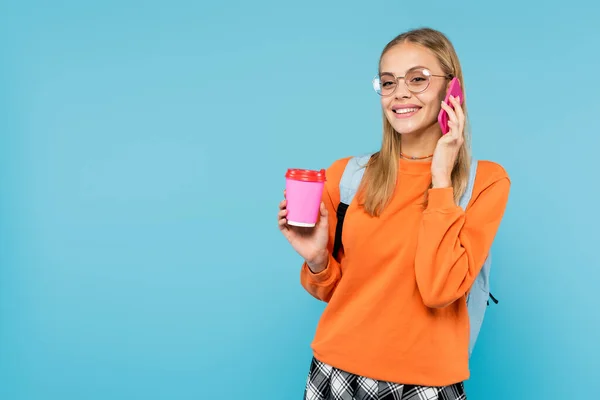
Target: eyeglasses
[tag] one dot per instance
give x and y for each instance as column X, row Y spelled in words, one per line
column 416, row 80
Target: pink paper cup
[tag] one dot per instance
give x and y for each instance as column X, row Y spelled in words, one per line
column 304, row 189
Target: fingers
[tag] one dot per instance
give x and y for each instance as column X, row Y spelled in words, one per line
column 455, row 119
column 457, row 108
column 452, row 118
column 282, row 214
column 453, row 133
column 282, row 221
column 324, row 216
column 323, row 209
column 459, row 113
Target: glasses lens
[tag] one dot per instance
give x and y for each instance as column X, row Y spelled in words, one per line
column 377, row 85
column 417, row 80
column 386, row 84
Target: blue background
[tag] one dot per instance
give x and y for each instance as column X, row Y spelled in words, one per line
column 142, row 153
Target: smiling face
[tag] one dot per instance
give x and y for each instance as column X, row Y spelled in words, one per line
column 409, row 112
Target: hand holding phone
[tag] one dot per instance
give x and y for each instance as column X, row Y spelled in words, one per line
column 453, row 90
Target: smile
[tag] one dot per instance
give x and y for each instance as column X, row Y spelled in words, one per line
column 405, row 112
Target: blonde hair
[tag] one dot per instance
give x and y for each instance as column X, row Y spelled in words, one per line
column 381, row 174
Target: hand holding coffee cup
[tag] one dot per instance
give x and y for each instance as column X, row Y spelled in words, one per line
column 303, row 216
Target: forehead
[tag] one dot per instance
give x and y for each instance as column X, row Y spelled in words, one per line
column 405, row 56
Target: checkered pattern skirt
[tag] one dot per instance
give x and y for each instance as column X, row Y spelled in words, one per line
column 328, row 383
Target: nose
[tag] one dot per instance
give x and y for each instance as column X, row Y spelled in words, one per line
column 402, row 91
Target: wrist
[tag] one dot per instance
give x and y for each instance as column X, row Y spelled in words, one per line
column 318, row 263
column 441, row 182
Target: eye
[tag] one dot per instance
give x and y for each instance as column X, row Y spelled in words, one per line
column 387, row 80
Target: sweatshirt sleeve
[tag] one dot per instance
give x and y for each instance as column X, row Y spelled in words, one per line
column 322, row 285
column 453, row 244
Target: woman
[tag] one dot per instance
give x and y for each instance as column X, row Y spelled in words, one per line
column 396, row 324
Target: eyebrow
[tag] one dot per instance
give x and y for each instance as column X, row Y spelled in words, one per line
column 416, row 66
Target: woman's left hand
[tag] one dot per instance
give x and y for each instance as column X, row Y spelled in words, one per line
column 446, row 150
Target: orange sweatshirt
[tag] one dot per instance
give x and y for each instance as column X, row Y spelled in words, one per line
column 396, row 304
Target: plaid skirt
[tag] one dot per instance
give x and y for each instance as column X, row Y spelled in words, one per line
column 328, row 383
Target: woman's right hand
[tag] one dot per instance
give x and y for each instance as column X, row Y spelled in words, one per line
column 310, row 243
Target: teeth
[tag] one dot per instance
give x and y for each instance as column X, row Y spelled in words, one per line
column 405, row 110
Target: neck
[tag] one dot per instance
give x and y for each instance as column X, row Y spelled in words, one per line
column 422, row 143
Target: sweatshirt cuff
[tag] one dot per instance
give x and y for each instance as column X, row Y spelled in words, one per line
column 323, row 276
column 441, row 199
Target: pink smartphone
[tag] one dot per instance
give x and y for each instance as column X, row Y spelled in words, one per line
column 454, row 90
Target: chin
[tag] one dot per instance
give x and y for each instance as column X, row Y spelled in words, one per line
column 405, row 131
column 409, row 126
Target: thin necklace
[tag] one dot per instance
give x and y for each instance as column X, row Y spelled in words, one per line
column 414, row 158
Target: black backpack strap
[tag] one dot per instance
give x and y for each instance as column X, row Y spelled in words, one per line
column 341, row 214
column 349, row 182
column 493, row 299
